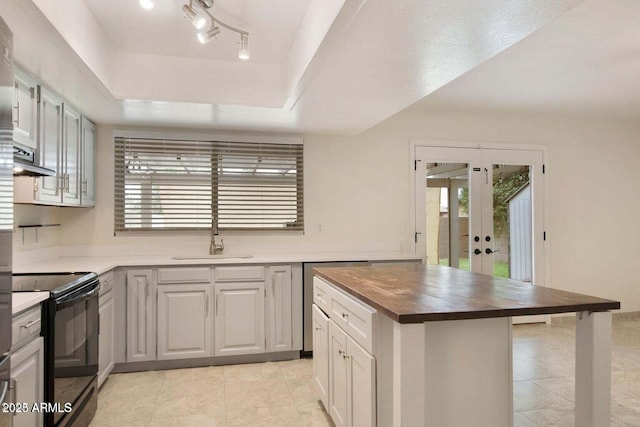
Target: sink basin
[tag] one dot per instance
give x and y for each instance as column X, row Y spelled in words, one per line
column 220, row 256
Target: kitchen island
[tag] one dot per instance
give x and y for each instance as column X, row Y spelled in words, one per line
column 438, row 341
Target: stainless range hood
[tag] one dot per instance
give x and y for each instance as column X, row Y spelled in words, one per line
column 21, row 168
column 24, row 165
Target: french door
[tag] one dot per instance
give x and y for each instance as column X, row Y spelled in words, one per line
column 481, row 210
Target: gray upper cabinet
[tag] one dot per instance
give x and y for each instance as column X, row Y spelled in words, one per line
column 25, row 111
column 70, row 173
column 88, row 163
column 48, row 188
column 64, row 141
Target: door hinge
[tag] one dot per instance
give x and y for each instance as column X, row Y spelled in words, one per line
column 38, row 96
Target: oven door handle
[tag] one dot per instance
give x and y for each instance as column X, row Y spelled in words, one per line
column 76, row 298
column 3, row 392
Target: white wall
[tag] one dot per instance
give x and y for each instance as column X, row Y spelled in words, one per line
column 357, row 196
column 350, row 206
column 592, row 206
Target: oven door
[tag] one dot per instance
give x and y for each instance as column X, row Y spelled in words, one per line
column 75, row 344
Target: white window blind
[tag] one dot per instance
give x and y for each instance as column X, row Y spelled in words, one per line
column 6, row 185
column 180, row 185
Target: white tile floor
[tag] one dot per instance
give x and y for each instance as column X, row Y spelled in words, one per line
column 281, row 393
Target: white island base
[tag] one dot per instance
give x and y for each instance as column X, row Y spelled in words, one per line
column 458, row 373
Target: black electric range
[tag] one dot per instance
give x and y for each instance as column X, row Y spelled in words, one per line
column 70, row 327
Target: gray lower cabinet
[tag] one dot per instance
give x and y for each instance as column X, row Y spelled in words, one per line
column 106, row 336
column 279, row 308
column 321, row 354
column 27, row 369
column 27, row 366
column 343, row 364
column 175, row 313
column 141, row 315
column 184, row 321
column 240, row 323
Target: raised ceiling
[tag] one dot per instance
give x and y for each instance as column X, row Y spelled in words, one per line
column 273, row 26
column 328, row 66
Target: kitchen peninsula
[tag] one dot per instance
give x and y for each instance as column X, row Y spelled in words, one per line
column 431, row 346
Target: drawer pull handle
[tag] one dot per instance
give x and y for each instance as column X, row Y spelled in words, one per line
column 343, row 354
column 319, row 295
column 30, row 324
column 345, row 315
column 318, row 329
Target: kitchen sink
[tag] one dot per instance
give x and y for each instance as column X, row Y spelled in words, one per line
column 219, row 256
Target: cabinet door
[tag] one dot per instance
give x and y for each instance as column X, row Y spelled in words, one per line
column 71, row 156
column 184, row 324
column 105, row 339
column 239, row 318
column 338, row 370
column 279, row 337
column 361, row 391
column 88, row 164
column 27, row 368
column 49, row 146
column 141, row 316
column 25, row 115
column 321, row 354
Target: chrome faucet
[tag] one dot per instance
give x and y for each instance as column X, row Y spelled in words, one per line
column 214, row 248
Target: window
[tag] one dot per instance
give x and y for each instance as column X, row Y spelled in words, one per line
column 196, row 185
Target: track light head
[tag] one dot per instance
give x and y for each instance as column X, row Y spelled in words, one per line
column 190, row 13
column 147, row 4
column 205, row 37
column 243, row 52
column 206, row 4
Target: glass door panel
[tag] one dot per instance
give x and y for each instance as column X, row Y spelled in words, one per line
column 512, row 224
column 447, row 217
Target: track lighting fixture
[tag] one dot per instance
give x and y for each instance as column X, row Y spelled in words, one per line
column 200, row 22
column 205, row 36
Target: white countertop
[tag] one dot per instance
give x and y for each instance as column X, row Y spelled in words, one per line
column 102, row 264
column 21, row 301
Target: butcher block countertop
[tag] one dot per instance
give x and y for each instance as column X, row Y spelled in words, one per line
column 422, row 293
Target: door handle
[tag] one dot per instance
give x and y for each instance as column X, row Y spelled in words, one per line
column 489, row 251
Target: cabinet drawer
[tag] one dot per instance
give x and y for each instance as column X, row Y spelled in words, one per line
column 234, row 274
column 106, row 282
column 184, row 275
column 25, row 326
column 354, row 317
column 321, row 294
